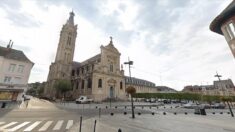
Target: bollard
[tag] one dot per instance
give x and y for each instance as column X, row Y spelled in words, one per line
column 153, row 113
column 115, row 107
column 213, row 113
column 124, row 113
column 139, row 113
column 99, row 112
column 164, row 113
column 119, row 130
column 185, row 113
column 228, row 112
column 106, row 107
column 94, row 125
column 221, row 112
column 111, row 114
column 80, row 129
column 175, row 113
column 96, row 107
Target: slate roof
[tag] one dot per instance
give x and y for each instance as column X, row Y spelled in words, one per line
column 227, row 13
column 13, row 54
column 90, row 60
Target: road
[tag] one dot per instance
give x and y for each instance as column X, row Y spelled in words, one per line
column 67, row 114
column 59, row 120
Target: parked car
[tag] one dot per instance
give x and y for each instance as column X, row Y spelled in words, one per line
column 147, row 100
column 83, row 100
column 166, row 101
column 190, row 105
column 26, row 97
column 153, row 100
column 205, row 106
column 218, row 106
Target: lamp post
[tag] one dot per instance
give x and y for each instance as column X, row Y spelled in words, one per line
column 129, row 63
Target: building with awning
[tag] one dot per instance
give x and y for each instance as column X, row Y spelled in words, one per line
column 15, row 69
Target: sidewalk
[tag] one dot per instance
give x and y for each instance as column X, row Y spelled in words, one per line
column 158, row 123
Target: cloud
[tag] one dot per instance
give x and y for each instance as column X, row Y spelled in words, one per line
column 169, row 41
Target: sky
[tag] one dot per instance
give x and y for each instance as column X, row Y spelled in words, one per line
column 168, row 40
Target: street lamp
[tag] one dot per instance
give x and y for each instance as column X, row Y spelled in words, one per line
column 129, row 63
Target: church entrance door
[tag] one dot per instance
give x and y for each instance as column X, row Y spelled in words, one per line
column 111, row 92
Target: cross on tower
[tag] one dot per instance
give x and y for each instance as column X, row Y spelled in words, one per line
column 217, row 75
column 111, row 40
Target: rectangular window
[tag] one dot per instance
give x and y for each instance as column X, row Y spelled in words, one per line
column 20, row 68
column 7, row 79
column 12, row 67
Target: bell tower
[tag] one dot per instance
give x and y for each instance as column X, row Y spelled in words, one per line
column 62, row 67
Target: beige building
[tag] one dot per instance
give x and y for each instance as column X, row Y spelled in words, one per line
column 99, row 77
column 224, row 24
column 220, row 87
column 15, row 69
column 224, row 87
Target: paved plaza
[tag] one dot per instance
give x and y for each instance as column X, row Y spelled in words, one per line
column 150, row 117
column 158, row 123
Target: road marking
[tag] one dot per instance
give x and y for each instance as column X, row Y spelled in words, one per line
column 7, row 125
column 69, row 124
column 18, row 127
column 45, row 126
column 2, row 123
column 58, row 125
column 31, row 127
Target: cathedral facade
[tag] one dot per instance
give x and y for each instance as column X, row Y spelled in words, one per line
column 100, row 77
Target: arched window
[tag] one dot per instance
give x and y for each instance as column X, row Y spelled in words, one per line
column 68, row 57
column 65, row 56
column 73, row 72
column 89, row 84
column 111, row 67
column 78, row 71
column 100, row 83
column 69, row 40
column 121, row 85
column 83, row 84
column 77, row 85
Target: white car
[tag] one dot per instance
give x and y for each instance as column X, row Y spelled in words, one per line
column 190, row 105
column 83, row 100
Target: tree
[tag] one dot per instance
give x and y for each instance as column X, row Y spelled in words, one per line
column 63, row 86
column 131, row 90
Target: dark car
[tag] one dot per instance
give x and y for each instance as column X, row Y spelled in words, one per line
column 218, row 106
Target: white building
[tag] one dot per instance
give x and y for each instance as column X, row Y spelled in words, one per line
column 15, row 69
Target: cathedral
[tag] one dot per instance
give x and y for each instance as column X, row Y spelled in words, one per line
column 100, row 77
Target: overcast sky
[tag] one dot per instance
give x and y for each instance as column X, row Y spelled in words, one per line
column 168, row 40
